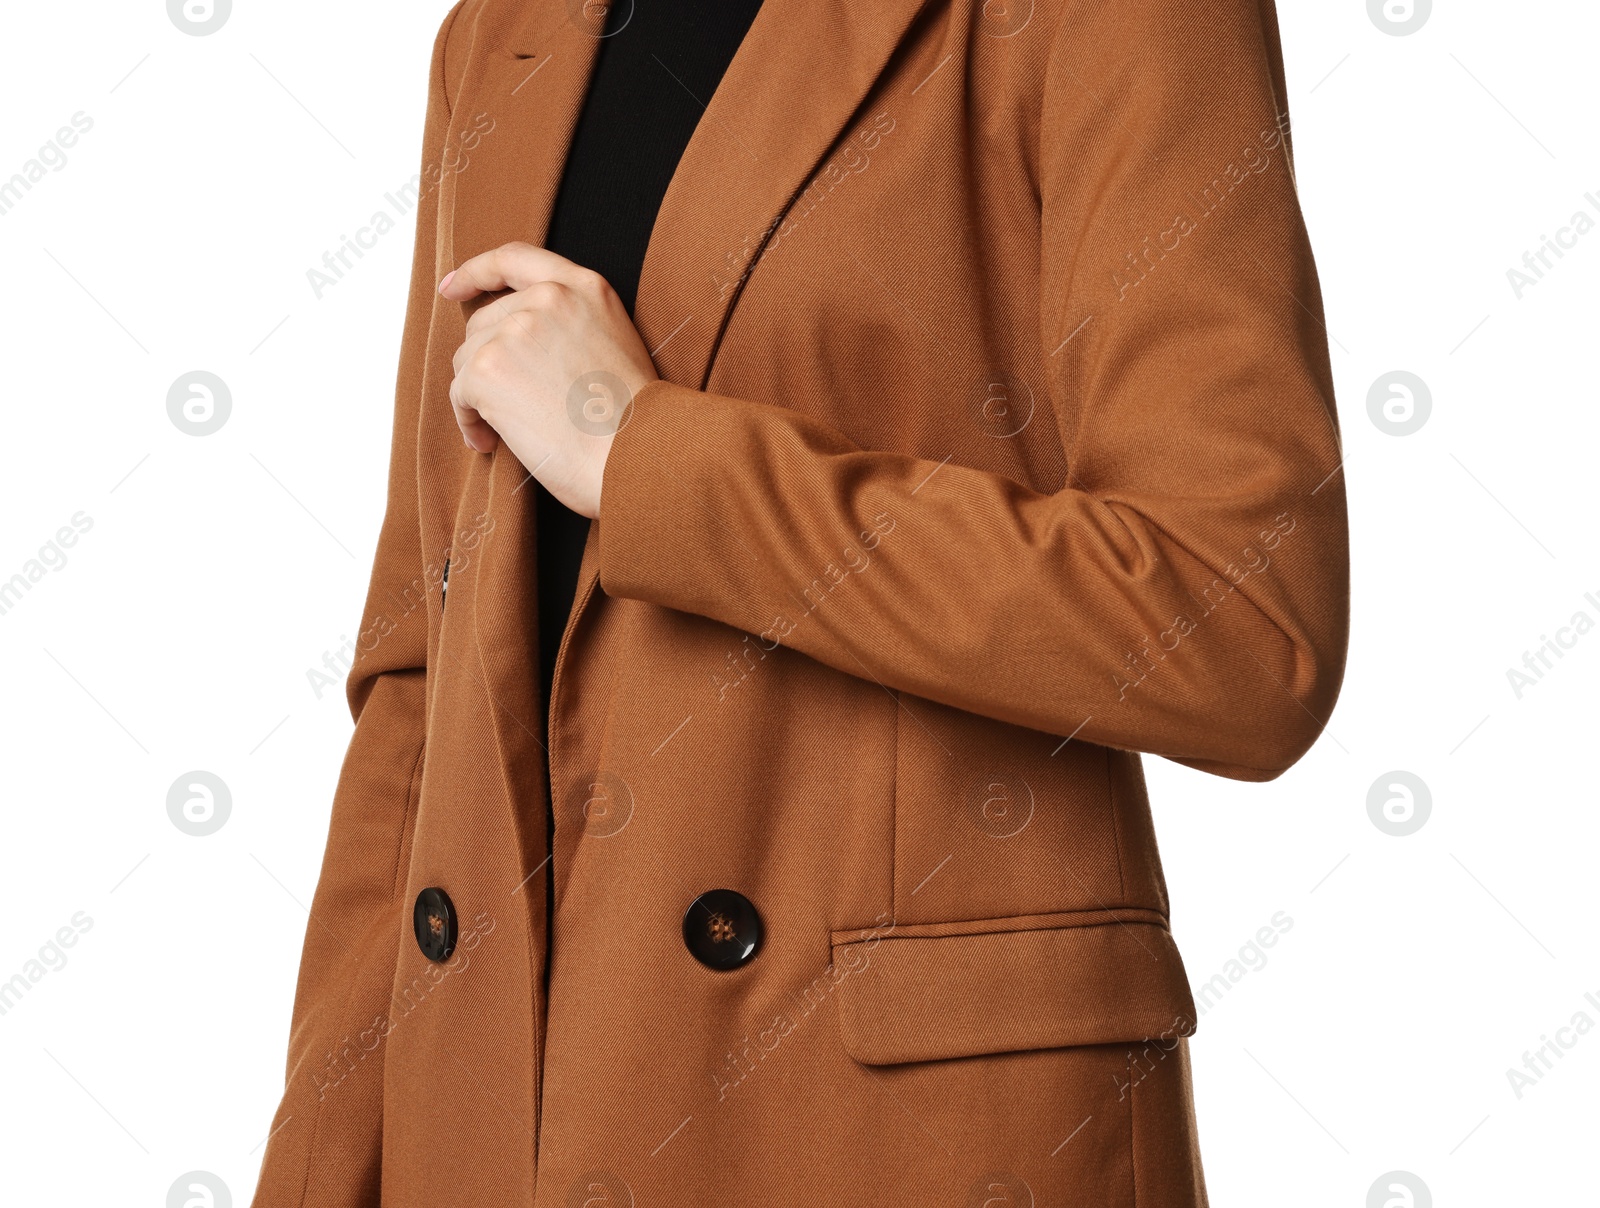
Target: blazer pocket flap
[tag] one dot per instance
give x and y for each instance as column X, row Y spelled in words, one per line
column 933, row 992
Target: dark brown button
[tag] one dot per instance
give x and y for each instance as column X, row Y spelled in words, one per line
column 722, row 929
column 433, row 919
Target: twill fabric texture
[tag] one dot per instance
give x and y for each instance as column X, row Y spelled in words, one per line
column 994, row 450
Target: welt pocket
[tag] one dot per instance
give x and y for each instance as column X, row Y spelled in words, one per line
column 941, row 990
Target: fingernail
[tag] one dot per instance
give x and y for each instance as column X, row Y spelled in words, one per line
column 446, row 281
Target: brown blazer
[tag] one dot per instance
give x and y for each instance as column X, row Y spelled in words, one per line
column 995, row 444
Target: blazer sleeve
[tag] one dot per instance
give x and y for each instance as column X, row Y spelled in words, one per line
column 325, row 1141
column 1186, row 592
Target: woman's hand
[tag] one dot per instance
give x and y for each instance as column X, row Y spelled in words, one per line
column 549, row 368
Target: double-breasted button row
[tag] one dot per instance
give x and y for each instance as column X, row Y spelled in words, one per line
column 721, row 928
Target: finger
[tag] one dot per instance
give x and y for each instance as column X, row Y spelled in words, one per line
column 474, row 341
column 519, row 334
column 476, row 433
column 510, row 266
column 520, row 308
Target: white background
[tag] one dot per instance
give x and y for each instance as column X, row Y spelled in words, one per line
column 178, row 634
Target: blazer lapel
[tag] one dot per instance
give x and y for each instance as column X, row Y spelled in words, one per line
column 800, row 74
column 790, row 91
column 513, row 122
column 510, row 128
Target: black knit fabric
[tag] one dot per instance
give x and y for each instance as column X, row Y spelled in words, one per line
column 658, row 64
